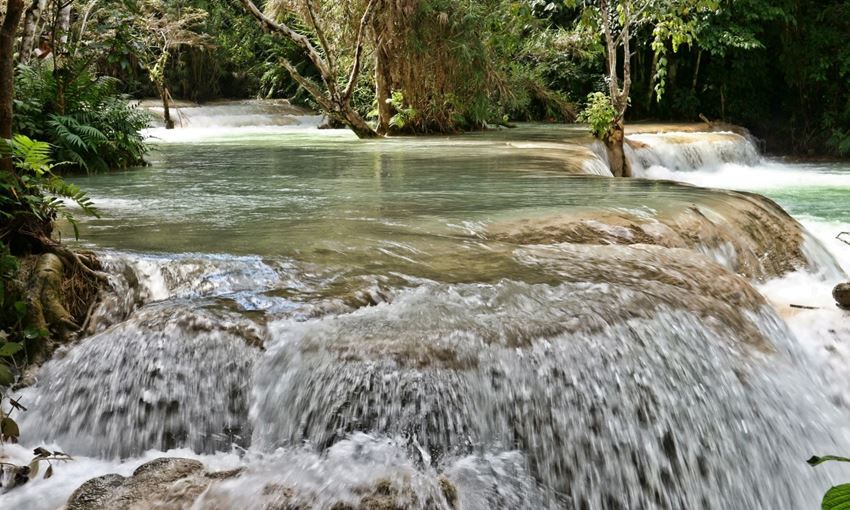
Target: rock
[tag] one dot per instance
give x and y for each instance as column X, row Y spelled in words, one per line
column 841, row 293
column 747, row 233
column 160, row 483
column 177, row 484
column 12, row 476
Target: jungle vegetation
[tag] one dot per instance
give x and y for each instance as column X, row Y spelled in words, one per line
column 382, row 67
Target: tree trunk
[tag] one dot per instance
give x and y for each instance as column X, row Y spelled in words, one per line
column 652, row 71
column 166, row 111
column 64, row 28
column 31, row 20
column 382, row 91
column 357, row 124
column 614, row 143
column 14, row 11
column 696, row 72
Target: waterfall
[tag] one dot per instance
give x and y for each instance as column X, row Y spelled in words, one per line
column 680, row 151
column 256, row 113
column 563, row 342
column 660, row 383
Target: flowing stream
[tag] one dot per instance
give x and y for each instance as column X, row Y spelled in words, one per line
column 337, row 314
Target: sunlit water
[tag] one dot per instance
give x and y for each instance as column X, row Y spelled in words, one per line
column 405, row 341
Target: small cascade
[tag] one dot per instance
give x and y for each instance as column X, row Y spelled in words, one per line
column 255, row 113
column 655, row 399
column 169, row 376
column 681, row 151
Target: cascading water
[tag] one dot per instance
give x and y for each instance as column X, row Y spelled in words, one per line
column 455, row 325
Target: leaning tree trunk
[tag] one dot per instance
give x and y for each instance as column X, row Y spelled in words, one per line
column 614, row 143
column 14, row 11
column 357, row 124
column 336, row 102
column 31, row 20
column 166, row 111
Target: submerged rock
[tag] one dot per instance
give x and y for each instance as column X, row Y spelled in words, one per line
column 841, row 293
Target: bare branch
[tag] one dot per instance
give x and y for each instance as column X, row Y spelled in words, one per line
column 358, row 52
column 309, row 86
column 295, row 37
column 320, row 33
column 627, row 61
column 611, row 48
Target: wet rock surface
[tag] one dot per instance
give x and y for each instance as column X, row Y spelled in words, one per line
column 841, row 293
column 164, row 483
column 747, row 233
column 177, row 483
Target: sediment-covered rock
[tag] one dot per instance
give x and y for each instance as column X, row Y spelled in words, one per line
column 615, row 345
column 747, row 233
column 164, row 483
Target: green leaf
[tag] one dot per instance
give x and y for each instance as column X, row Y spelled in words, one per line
column 33, row 333
column 815, row 460
column 9, row 349
column 33, row 468
column 6, row 375
column 9, row 429
column 837, row 498
column 21, row 308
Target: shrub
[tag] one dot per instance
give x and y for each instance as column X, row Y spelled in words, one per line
column 85, row 120
column 599, row 113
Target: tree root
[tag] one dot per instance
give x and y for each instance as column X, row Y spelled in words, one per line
column 74, row 260
column 46, row 309
column 61, row 294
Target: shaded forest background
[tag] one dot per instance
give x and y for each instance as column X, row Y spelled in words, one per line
column 778, row 67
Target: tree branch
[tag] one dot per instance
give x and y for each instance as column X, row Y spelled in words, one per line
column 310, row 87
column 358, row 52
column 295, row 37
column 320, row 33
column 611, row 48
column 627, row 60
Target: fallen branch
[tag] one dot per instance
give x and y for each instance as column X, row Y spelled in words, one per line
column 845, row 241
column 804, row 307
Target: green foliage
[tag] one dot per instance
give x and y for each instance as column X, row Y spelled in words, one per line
column 31, row 198
column 404, row 114
column 838, row 497
column 33, row 193
column 465, row 65
column 82, row 117
column 599, row 113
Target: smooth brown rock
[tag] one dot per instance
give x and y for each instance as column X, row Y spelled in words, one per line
column 841, row 293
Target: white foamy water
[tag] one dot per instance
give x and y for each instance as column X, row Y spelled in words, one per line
column 212, row 132
column 814, row 192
